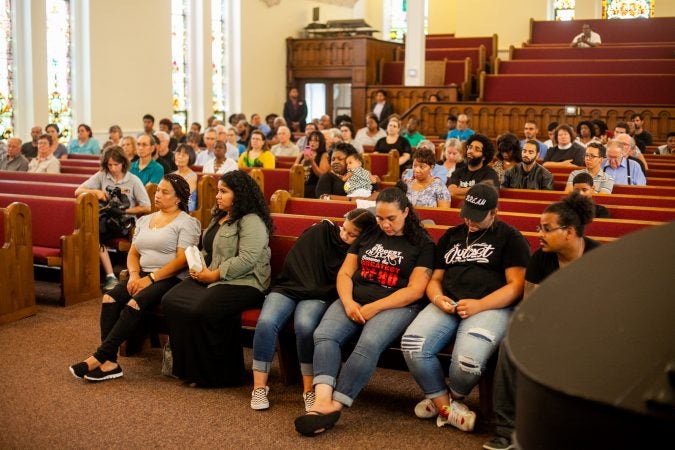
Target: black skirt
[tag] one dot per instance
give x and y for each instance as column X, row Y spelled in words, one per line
column 205, row 331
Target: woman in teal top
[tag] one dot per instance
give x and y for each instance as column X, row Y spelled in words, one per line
column 85, row 144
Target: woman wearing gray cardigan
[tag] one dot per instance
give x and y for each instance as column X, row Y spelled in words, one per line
column 203, row 312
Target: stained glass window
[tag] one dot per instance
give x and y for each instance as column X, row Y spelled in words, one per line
column 219, row 56
column 6, row 71
column 398, row 21
column 179, row 13
column 58, row 66
column 627, row 9
column 564, row 9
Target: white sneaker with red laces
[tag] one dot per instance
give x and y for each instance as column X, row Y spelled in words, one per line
column 457, row 415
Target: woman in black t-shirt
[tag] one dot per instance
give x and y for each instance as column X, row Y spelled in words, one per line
column 479, row 273
column 380, row 282
column 394, row 141
column 304, row 289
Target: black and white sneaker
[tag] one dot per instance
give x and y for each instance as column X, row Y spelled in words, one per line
column 98, row 375
column 259, row 399
column 309, row 398
column 499, row 443
column 79, row 370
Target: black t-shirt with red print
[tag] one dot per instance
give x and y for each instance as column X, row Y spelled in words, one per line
column 479, row 270
column 386, row 263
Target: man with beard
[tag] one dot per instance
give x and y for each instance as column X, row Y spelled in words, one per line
column 561, row 235
column 331, row 183
column 479, row 153
column 528, row 174
column 530, row 131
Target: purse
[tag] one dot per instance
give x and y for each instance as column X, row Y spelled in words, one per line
column 167, row 361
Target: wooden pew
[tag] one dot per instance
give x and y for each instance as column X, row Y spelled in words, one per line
column 65, row 235
column 612, row 199
column 65, row 190
column 81, row 170
column 583, row 66
column 476, row 54
column 655, row 29
column 384, row 165
column 270, row 180
column 436, row 73
column 615, row 52
column 85, row 157
column 44, row 177
column 17, row 286
column 489, row 42
column 655, row 89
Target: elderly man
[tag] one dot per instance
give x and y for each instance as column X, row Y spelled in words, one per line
column 528, row 174
column 530, row 130
column 29, row 149
column 631, row 151
column 623, row 170
column 602, row 181
column 15, row 160
column 587, row 38
column 285, row 147
column 164, row 153
column 462, row 132
column 210, row 138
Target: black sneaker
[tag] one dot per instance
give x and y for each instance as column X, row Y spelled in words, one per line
column 98, row 375
column 79, row 370
column 499, row 443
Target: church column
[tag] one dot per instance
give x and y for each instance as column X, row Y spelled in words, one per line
column 415, row 44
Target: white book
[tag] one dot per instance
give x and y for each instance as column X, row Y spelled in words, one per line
column 195, row 259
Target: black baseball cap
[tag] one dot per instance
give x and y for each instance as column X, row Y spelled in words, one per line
column 479, row 200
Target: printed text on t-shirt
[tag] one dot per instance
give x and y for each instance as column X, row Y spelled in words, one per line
column 474, row 253
column 380, row 265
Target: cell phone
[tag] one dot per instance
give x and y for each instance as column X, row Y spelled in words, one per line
column 308, row 151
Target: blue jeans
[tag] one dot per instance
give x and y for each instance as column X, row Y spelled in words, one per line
column 476, row 338
column 336, row 329
column 275, row 313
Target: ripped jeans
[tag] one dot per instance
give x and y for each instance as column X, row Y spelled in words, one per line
column 476, row 338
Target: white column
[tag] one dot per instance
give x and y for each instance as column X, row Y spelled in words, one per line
column 415, row 44
column 233, row 53
column 199, row 85
column 26, row 100
column 80, row 68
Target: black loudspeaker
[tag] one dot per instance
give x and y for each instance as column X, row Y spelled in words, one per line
column 315, row 14
column 594, row 346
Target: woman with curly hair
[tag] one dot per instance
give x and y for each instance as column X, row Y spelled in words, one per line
column 203, row 312
column 258, row 153
column 380, row 285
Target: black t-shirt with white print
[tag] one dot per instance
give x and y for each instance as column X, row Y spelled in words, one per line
column 479, row 270
column 385, row 264
column 462, row 177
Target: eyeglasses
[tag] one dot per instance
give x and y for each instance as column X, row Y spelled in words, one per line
column 545, row 230
column 475, row 148
column 591, row 156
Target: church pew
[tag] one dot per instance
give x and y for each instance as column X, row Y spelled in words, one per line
column 663, row 191
column 384, row 165
column 207, row 187
column 65, row 190
column 560, row 180
column 618, row 52
column 284, row 162
column 78, row 169
column 605, row 44
column 271, row 180
column 655, row 29
column 81, row 163
column 583, row 66
column 655, row 89
column 85, row 157
column 436, row 73
column 477, row 55
column 655, row 201
column 44, row 177
column 65, row 235
column 282, row 203
column 489, row 42
column 17, row 285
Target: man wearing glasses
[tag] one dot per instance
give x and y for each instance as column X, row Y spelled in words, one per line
column 602, row 181
column 623, row 170
column 479, row 153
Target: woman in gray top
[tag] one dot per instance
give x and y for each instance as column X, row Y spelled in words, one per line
column 204, row 311
column 156, row 263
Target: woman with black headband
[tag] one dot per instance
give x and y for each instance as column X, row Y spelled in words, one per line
column 156, row 263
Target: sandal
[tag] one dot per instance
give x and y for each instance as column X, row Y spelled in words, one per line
column 314, row 423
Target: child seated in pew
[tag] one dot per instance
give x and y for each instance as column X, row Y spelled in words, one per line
column 357, row 179
column 583, row 184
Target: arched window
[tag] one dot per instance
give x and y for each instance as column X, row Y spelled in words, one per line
column 59, row 66
column 6, row 70
column 564, row 9
column 179, row 20
column 627, row 9
column 396, row 21
column 219, row 55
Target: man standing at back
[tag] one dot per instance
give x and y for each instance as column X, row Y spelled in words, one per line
column 587, row 38
column 528, row 174
column 462, row 132
column 530, row 131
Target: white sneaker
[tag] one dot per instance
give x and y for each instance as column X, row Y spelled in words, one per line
column 426, row 409
column 259, row 399
column 458, row 415
column 309, row 398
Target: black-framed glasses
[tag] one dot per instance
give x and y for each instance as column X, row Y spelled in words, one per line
column 544, row 229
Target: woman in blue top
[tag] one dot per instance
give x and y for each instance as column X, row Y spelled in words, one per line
column 85, row 144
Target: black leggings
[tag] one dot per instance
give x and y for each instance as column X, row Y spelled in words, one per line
column 119, row 321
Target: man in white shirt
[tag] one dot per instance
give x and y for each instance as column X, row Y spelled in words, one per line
column 587, row 38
